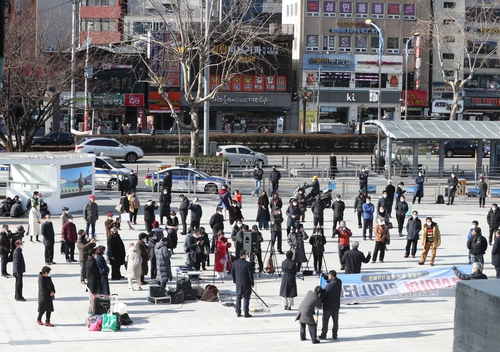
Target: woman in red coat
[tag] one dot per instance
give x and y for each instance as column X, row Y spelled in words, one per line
column 222, row 262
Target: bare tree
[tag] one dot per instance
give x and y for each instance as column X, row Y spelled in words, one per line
column 33, row 79
column 226, row 44
column 459, row 38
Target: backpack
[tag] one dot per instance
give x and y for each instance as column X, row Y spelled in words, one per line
column 183, row 285
column 440, row 199
column 476, row 246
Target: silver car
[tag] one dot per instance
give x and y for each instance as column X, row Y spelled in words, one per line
column 183, row 180
column 241, row 155
column 109, row 147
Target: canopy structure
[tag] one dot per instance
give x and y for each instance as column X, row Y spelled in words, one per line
column 416, row 131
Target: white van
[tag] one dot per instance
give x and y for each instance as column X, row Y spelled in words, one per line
column 107, row 171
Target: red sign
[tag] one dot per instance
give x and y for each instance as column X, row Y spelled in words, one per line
column 251, row 83
column 248, row 83
column 159, row 105
column 236, row 84
column 416, row 98
column 134, row 99
column 485, row 102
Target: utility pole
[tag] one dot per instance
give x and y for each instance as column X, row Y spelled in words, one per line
column 2, row 39
column 74, row 44
column 206, row 80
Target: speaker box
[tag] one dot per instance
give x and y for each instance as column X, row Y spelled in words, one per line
column 250, row 242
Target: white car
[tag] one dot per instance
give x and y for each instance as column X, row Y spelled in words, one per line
column 241, row 155
column 183, row 180
column 107, row 171
column 109, row 147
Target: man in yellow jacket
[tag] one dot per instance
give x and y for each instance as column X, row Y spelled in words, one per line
column 431, row 237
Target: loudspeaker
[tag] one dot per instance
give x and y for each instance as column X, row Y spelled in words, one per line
column 250, row 242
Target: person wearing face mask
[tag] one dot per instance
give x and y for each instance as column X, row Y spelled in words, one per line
column 142, row 248
column 382, row 201
column 18, row 269
column 344, row 234
column 493, row 219
column 234, row 212
column 363, row 180
column 390, row 190
column 165, row 200
column 338, row 207
column 70, row 237
column 217, row 221
column 413, row 228
column 358, row 207
column 368, row 210
column 483, row 191
column 318, row 208
column 401, row 210
column 302, row 204
column 293, row 215
column 452, row 188
column 196, row 214
column 431, row 238
column 381, row 231
column 400, row 191
column 276, row 234
column 419, row 187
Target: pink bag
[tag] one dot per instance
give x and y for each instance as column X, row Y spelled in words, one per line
column 96, row 325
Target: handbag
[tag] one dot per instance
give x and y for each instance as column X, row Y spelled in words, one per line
column 119, row 207
column 125, row 217
column 389, row 225
column 109, row 322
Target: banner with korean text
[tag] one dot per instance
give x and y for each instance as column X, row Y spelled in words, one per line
column 398, row 284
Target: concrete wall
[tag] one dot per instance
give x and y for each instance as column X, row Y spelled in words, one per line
column 477, row 310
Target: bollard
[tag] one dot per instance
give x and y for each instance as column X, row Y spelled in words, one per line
column 286, row 162
column 312, row 161
column 282, row 160
column 317, row 162
column 194, row 184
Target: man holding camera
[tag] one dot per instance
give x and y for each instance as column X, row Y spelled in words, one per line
column 296, row 242
column 242, row 273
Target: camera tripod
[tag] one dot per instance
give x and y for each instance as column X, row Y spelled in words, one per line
column 322, row 256
column 272, row 256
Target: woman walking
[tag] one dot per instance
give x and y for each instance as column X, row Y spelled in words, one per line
column 46, row 293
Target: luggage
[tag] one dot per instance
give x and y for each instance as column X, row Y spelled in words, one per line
column 156, row 291
column 99, row 304
column 182, row 285
column 191, row 294
column 211, row 293
column 178, row 297
column 109, row 322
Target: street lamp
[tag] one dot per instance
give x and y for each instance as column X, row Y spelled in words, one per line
column 380, row 51
column 87, row 74
column 416, row 34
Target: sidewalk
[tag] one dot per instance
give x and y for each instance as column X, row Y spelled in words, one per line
column 418, row 324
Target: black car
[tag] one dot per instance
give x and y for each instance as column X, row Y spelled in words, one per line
column 55, row 138
column 452, row 148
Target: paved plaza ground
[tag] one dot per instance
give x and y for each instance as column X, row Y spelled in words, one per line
column 419, row 324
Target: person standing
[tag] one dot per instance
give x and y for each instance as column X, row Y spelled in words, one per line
column 34, row 222
column 452, row 188
column 46, row 293
column 277, row 230
column 183, row 210
column 196, row 214
column 163, row 255
column 493, row 219
column 116, row 254
column 217, row 221
column 90, row 216
column 301, row 200
column 94, row 277
column 225, row 199
column 242, row 274
column 238, row 197
column 142, row 249
column 84, row 246
column 431, row 238
column 400, row 191
column 70, row 237
column 134, row 207
column 134, row 261
column 333, row 166
column 476, row 273
column 167, row 181
column 317, row 241
column 305, row 314
column 318, row 209
column 358, row 207
column 477, row 245
column 381, row 231
column 338, row 207
column 125, row 210
column 354, row 258
column 419, row 188
column 263, row 215
column 293, row 213
column 149, row 214
column 234, row 212
column 495, row 254
column 368, row 210
column 288, row 287
column 330, row 298
column 296, row 240
column 390, row 190
column 222, row 262
column 62, row 220
column 274, row 178
column 165, row 200
column 401, row 210
column 382, row 201
column 132, row 177
column 18, row 269
column 258, row 173
column 344, row 234
column 5, row 249
column 363, row 180
column 483, row 191
column 103, row 269
column 47, row 231
column 413, row 228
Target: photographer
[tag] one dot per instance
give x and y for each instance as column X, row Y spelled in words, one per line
column 317, row 241
column 149, row 214
column 276, row 229
column 344, row 237
column 258, row 252
column 296, row 241
column 183, row 211
column 196, row 249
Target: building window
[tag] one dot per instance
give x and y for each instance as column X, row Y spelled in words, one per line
column 100, row 24
column 374, row 43
column 369, row 80
column 448, row 56
column 362, row 8
column 99, row 3
column 335, row 79
column 345, row 43
column 311, row 42
column 361, row 42
column 287, row 10
column 448, row 5
column 411, row 44
column 392, row 43
column 329, row 42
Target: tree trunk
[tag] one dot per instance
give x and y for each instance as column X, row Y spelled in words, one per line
column 304, row 117
column 194, row 132
column 454, row 104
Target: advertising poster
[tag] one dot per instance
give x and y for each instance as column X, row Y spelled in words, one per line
column 76, row 180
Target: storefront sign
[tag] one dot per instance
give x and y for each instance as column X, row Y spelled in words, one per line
column 105, row 100
column 444, row 106
column 416, row 98
column 353, row 30
column 493, row 102
column 251, row 83
column 329, row 62
column 225, row 100
column 159, row 105
column 134, row 99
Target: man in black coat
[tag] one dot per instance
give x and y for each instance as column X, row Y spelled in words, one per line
column 338, row 207
column 93, row 275
column 476, row 273
column 196, row 214
column 132, row 178
column 391, row 190
column 333, row 166
column 318, row 208
column 305, row 314
column 363, row 180
column 165, row 200
column 477, row 245
column 358, row 208
column 183, row 211
column 116, row 253
column 354, row 258
column 217, row 221
column 47, row 231
column 258, row 173
column 274, row 178
column 18, row 269
column 149, row 214
column 167, row 181
column 242, row 274
column 495, row 254
column 413, row 229
column 330, row 297
column 452, row 188
column 493, row 219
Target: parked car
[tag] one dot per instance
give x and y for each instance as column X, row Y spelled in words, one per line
column 55, row 138
column 184, row 176
column 458, row 147
column 238, row 155
column 107, row 172
column 109, row 147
